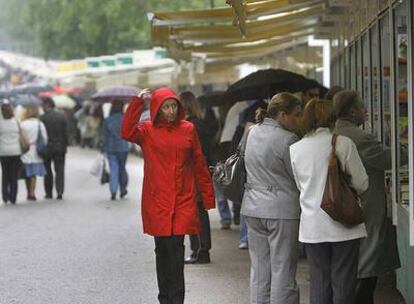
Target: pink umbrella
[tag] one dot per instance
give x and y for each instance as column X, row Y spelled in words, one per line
column 123, row 93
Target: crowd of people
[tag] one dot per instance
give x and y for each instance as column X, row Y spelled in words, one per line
column 288, row 147
column 288, row 143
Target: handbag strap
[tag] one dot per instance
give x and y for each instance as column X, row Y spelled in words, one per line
column 18, row 126
column 243, row 142
column 333, row 142
column 39, row 131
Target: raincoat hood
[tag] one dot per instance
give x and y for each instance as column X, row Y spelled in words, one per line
column 158, row 97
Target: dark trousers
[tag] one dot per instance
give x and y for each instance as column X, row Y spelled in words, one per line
column 365, row 290
column 169, row 253
column 58, row 159
column 202, row 242
column 9, row 168
column 333, row 271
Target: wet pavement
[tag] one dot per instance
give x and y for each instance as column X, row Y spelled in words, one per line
column 88, row 249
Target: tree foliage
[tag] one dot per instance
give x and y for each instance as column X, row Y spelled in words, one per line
column 66, row 29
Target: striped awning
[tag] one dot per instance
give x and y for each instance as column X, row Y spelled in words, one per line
column 244, row 28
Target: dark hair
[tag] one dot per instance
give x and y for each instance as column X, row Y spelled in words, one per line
column 281, row 102
column 7, row 111
column 48, row 101
column 117, row 106
column 344, row 101
column 318, row 113
column 332, row 91
column 190, row 103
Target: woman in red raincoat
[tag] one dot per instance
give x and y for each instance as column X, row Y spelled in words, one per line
column 174, row 165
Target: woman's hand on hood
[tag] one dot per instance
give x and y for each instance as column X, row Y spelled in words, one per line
column 145, row 93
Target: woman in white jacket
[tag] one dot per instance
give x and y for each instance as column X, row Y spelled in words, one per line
column 33, row 163
column 331, row 248
column 9, row 152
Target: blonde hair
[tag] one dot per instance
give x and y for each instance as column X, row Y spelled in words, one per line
column 30, row 112
column 318, row 113
column 281, row 102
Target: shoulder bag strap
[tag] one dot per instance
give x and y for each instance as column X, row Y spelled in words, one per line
column 18, row 126
column 39, row 132
column 333, row 142
column 243, row 142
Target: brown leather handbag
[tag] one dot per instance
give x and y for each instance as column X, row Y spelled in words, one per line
column 339, row 200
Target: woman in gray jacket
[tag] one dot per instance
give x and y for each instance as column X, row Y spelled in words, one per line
column 271, row 203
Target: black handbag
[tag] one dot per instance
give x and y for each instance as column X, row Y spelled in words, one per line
column 230, row 176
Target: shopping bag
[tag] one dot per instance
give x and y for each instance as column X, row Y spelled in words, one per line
column 104, row 174
column 99, row 169
column 97, row 166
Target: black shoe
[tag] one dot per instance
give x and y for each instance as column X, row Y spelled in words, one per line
column 113, row 196
column 48, row 196
column 59, row 197
column 203, row 257
column 236, row 220
column 123, row 193
column 192, row 259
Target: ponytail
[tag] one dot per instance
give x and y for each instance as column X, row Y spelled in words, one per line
column 261, row 114
column 281, row 102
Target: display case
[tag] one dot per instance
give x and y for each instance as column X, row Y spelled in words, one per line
column 375, row 82
column 400, row 42
column 353, row 68
column 366, row 80
column 346, row 68
column 358, row 72
column 341, row 70
column 385, row 73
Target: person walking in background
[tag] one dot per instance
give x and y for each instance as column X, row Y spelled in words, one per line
column 10, row 152
column 378, row 253
column 88, row 126
column 173, row 165
column 200, row 244
column 331, row 247
column 117, row 150
column 33, row 163
column 56, row 127
column 271, row 203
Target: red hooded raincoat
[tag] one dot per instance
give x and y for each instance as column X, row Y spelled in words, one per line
column 174, row 164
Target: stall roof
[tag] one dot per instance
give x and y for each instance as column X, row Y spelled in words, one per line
column 243, row 27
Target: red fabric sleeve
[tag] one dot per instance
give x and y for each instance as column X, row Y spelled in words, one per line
column 202, row 174
column 131, row 129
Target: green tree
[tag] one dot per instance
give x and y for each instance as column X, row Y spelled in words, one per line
column 67, row 29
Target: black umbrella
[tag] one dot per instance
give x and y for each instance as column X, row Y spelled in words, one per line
column 31, row 88
column 211, row 99
column 266, row 83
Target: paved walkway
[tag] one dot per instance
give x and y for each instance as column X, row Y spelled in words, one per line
column 87, row 249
